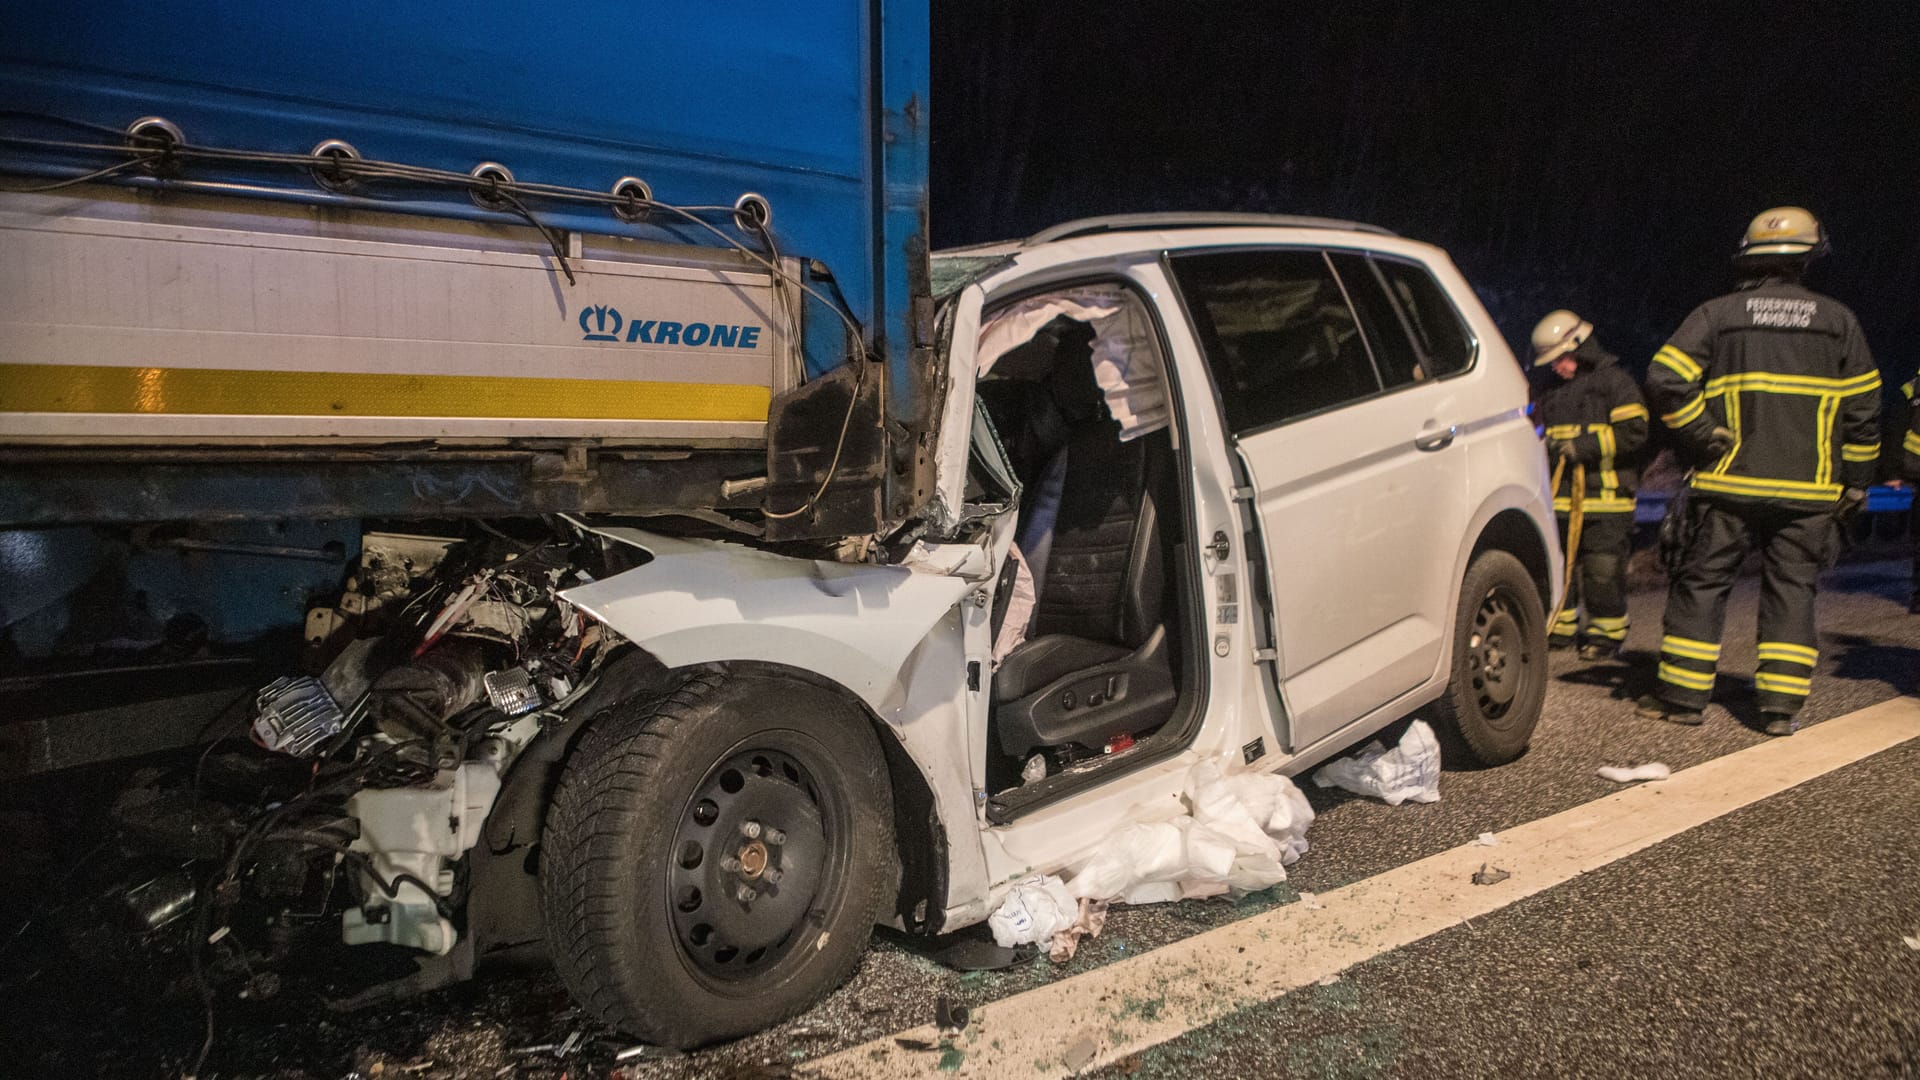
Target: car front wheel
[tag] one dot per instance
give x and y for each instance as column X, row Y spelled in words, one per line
column 1499, row 677
column 716, row 856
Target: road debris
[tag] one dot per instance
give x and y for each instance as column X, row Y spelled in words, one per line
column 1311, row 901
column 1621, row 774
column 1410, row 772
column 950, row 1016
column 919, row 1046
column 1088, row 922
column 1489, row 875
column 561, row 1050
column 1081, row 1052
column 1913, row 941
column 1486, row 839
column 647, row 1052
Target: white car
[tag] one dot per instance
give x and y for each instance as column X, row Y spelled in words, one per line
column 1272, row 486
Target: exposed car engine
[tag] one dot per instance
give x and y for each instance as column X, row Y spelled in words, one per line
column 350, row 794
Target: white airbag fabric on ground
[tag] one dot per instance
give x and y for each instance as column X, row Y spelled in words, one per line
column 1037, row 908
column 1409, row 771
column 1126, row 359
column 1238, row 835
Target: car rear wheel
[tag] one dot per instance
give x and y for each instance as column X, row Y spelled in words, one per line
column 715, row 857
column 1499, row 675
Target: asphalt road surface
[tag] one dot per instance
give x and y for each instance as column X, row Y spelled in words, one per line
column 1767, row 940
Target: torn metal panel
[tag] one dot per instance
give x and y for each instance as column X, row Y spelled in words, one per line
column 699, row 601
column 960, row 329
column 827, row 451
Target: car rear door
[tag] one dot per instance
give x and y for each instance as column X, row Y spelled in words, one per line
column 1358, row 486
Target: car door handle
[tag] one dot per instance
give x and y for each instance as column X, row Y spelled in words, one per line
column 1437, row 440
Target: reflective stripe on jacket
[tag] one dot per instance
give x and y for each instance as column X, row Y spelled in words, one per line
column 1788, row 372
column 1598, row 411
column 1910, row 448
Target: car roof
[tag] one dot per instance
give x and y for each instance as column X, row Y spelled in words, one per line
column 1094, row 238
column 1166, row 221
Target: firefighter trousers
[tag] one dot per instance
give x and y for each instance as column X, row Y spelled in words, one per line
column 1600, row 579
column 1794, row 546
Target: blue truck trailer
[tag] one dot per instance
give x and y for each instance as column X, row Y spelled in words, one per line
column 330, row 341
column 425, row 239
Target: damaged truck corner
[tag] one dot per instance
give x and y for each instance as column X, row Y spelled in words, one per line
column 514, row 491
column 326, row 353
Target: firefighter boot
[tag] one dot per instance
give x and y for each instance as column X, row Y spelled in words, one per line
column 1655, row 707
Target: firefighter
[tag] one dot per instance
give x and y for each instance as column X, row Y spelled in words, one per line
column 1910, row 476
column 1594, row 416
column 1772, row 394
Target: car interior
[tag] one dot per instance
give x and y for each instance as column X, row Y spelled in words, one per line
column 1096, row 672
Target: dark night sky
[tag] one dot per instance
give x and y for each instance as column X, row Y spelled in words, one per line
column 1602, row 157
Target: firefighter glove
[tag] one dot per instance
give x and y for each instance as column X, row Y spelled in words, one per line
column 1852, row 501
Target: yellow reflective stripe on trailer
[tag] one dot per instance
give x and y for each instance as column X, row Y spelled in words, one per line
column 1624, row 413
column 59, row 388
column 1766, row 489
column 1678, row 362
column 1685, row 414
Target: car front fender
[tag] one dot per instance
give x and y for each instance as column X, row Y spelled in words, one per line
column 705, row 601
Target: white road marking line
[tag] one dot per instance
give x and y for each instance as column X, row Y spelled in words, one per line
column 1103, row 1015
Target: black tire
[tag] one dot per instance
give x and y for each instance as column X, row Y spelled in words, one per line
column 646, row 922
column 1499, row 661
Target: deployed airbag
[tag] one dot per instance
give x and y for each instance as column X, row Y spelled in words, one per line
column 1126, row 355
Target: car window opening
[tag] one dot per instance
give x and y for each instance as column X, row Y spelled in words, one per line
column 1089, row 640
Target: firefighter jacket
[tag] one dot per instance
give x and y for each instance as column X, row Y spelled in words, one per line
column 1788, row 372
column 1910, row 448
column 1598, row 412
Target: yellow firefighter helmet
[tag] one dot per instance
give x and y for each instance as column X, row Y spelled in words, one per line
column 1784, row 230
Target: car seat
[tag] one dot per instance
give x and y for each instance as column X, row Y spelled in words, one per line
column 1098, row 664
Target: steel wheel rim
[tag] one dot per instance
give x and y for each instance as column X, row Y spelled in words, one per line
column 752, row 864
column 1500, row 654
